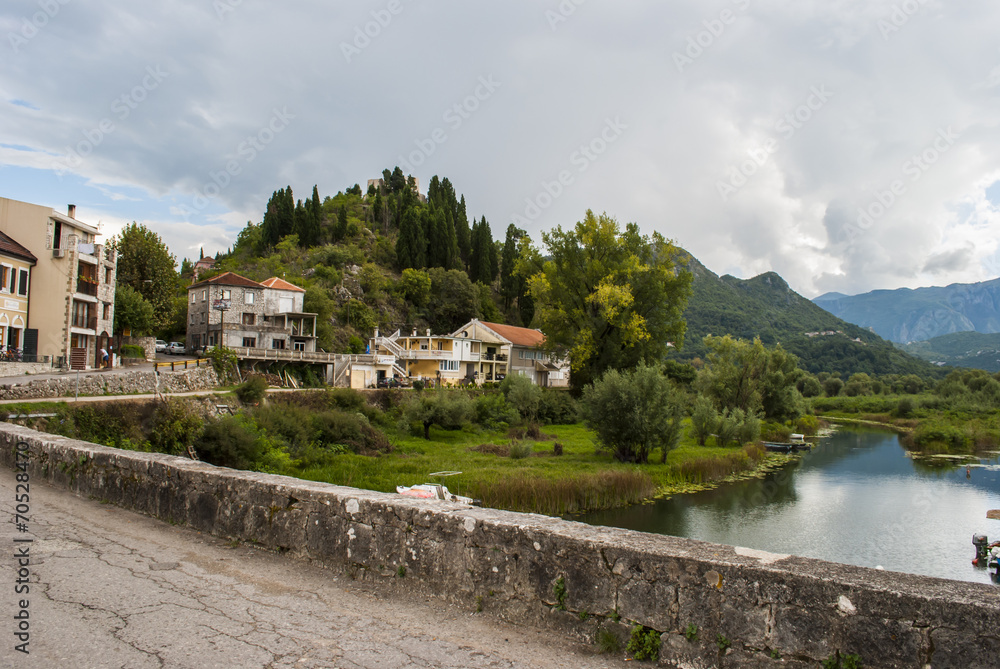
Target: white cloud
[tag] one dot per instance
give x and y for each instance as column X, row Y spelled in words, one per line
column 219, row 80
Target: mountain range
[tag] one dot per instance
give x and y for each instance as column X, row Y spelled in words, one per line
column 910, row 315
column 766, row 307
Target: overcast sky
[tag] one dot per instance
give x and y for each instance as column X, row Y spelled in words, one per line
column 845, row 144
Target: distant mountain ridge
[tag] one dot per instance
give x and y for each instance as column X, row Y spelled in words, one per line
column 766, row 307
column 909, row 315
column 960, row 349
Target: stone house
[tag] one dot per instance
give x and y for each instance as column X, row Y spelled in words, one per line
column 237, row 312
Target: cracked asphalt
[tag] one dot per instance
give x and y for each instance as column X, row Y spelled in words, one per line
column 111, row 588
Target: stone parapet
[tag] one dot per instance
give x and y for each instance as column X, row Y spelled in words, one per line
column 137, row 382
column 773, row 610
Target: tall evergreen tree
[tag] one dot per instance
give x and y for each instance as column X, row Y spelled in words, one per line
column 483, row 263
column 463, row 235
column 509, row 280
column 315, row 218
column 411, row 246
column 301, row 226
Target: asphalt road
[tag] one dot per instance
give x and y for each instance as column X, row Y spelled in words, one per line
column 109, row 588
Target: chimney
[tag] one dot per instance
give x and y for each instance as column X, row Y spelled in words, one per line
column 428, row 332
column 71, row 211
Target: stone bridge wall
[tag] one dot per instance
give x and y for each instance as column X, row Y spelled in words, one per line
column 510, row 565
column 113, row 383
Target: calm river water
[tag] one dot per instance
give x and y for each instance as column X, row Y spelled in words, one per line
column 857, row 498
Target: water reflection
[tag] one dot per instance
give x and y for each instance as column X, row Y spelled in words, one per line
column 857, row 498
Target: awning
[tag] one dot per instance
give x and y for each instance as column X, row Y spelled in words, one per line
column 541, row 366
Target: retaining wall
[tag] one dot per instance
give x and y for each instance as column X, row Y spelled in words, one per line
column 510, row 565
column 113, row 383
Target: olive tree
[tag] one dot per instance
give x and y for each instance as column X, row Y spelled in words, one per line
column 634, row 412
column 448, row 409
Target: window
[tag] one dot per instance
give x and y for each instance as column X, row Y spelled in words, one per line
column 278, row 343
column 192, row 319
column 520, row 354
column 107, row 311
column 247, row 298
column 107, row 275
column 204, row 295
column 57, row 236
column 194, row 296
column 22, row 288
column 250, row 342
column 248, row 319
column 449, row 366
column 5, row 279
column 226, row 293
column 299, row 345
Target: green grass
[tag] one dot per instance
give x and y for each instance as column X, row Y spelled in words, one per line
column 583, row 478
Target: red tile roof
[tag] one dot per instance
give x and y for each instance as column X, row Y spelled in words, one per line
column 228, row 279
column 12, row 248
column 518, row 336
column 281, row 284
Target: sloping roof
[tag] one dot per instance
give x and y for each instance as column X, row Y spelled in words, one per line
column 12, row 248
column 228, row 279
column 518, row 336
column 280, row 284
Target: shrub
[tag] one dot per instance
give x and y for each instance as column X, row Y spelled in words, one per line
column 771, row 431
column 727, row 426
column 557, row 407
column 132, row 351
column 644, row 643
column 904, row 408
column 225, row 363
column 704, row 418
column 522, row 394
column 748, row 431
column 174, row 427
column 252, row 390
column 607, row 641
column 493, row 411
column 807, row 425
column 232, row 441
column 519, row 450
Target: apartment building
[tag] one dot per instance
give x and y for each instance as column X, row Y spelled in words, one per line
column 478, row 352
column 71, row 315
column 16, row 263
column 237, row 312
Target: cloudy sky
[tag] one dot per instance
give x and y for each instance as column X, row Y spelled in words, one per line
column 845, row 144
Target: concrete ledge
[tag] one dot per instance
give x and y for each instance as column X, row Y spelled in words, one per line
column 116, row 382
column 509, row 564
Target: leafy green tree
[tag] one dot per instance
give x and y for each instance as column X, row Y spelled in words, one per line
column 704, row 418
column 728, row 425
column 317, row 301
column 454, row 299
column 633, row 412
column 133, row 312
column 832, row 386
column 415, row 286
column 448, row 409
column 739, row 374
column 147, row 266
column 610, row 298
column 522, row 394
column 810, row 386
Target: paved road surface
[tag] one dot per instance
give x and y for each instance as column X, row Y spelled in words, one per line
column 110, row 588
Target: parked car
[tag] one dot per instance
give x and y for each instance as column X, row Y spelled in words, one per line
column 161, row 346
column 175, row 348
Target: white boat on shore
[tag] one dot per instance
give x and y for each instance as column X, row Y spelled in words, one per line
column 434, row 491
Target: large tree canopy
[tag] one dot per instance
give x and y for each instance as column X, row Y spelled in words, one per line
column 145, row 264
column 133, row 312
column 744, row 375
column 611, row 299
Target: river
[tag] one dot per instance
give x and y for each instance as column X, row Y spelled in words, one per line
column 857, row 498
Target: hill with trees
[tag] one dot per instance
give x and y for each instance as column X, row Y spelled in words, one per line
column 766, row 307
column 960, row 349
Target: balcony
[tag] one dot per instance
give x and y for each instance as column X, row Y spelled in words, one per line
column 86, row 286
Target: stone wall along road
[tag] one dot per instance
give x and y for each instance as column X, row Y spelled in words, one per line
column 749, row 608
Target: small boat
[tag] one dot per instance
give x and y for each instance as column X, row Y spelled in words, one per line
column 798, row 443
column 434, row 491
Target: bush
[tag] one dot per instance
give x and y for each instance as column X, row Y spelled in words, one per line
column 232, row 441
column 727, row 426
column 557, row 407
column 252, row 390
column 174, row 427
column 904, row 408
column 644, row 643
column 807, row 425
column 519, row 450
column 704, row 418
column 522, row 394
column 133, row 351
column 494, row 413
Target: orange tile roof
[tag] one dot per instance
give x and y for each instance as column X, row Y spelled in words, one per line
column 280, row 284
column 229, row 279
column 518, row 336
